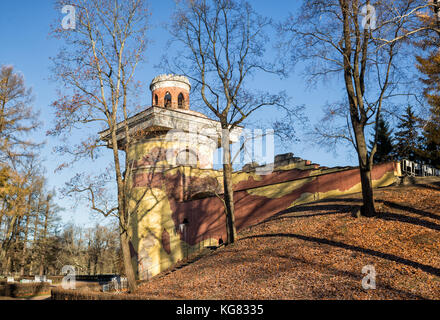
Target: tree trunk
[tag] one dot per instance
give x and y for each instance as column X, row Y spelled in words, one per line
column 365, row 166
column 128, row 266
column 123, row 210
column 95, row 266
column 8, row 265
column 1, row 220
column 368, row 208
column 16, row 246
column 6, row 245
column 231, row 231
column 25, row 239
column 43, row 262
column 34, row 253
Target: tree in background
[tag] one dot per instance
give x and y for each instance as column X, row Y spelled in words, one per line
column 96, row 70
column 17, row 121
column 28, row 229
column 17, row 164
column 223, row 46
column 362, row 41
column 385, row 145
column 407, row 136
column 429, row 43
column 94, row 250
column 429, row 66
column 47, row 241
column 17, row 118
column 429, row 149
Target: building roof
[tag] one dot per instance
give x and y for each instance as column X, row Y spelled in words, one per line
column 157, row 118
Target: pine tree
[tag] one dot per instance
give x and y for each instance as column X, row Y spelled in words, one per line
column 407, row 137
column 429, row 66
column 385, row 146
column 430, row 146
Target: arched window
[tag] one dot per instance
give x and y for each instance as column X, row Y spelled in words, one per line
column 156, row 100
column 181, row 101
column 167, row 100
column 187, row 158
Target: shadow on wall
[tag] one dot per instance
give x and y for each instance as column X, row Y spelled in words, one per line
column 205, row 217
column 257, row 204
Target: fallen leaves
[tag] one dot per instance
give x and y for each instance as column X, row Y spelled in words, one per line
column 321, row 256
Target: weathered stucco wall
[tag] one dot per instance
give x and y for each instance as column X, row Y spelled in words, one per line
column 163, row 201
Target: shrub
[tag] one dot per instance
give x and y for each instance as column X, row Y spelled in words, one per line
column 24, row 289
column 63, row 294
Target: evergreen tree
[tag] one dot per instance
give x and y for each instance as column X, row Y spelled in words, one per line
column 407, row 137
column 429, row 66
column 385, row 146
column 430, row 147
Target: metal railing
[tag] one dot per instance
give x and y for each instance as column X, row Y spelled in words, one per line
column 414, row 169
column 117, row 284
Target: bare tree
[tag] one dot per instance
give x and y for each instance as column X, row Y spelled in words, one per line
column 17, row 117
column 362, row 41
column 222, row 46
column 96, row 70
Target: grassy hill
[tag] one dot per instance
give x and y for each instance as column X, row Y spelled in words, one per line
column 318, row 250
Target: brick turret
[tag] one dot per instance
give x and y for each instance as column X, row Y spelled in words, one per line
column 170, row 91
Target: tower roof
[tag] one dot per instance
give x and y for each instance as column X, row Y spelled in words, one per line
column 170, row 80
column 157, row 118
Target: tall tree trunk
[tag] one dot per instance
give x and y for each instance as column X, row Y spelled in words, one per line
column 365, row 167
column 6, row 245
column 231, row 231
column 1, row 220
column 95, row 266
column 8, row 265
column 16, row 246
column 128, row 266
column 368, row 209
column 34, row 259
column 123, row 213
column 43, row 255
column 24, row 251
column 89, row 253
column 25, row 236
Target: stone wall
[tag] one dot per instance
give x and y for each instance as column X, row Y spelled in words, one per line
column 179, row 211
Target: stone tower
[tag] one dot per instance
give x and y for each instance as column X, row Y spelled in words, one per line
column 171, row 159
column 168, row 134
column 170, row 91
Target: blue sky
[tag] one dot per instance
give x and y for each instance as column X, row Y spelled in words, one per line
column 25, row 44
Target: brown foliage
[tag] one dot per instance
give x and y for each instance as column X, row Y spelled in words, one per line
column 317, row 251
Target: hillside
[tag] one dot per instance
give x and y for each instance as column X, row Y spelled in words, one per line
column 317, row 251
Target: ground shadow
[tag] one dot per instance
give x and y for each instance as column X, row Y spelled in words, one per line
column 331, row 209
column 432, row 185
column 351, row 275
column 409, row 209
column 406, row 219
column 341, row 208
column 387, row 256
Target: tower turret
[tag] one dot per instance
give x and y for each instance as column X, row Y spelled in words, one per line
column 170, row 91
